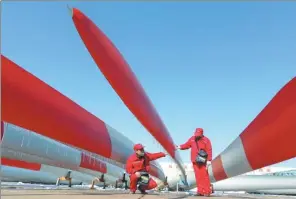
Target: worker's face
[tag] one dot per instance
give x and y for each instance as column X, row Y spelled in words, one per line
column 198, row 137
column 140, row 152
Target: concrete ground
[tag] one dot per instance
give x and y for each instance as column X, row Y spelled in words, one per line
column 111, row 194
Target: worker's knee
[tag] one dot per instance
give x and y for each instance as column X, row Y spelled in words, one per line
column 133, row 177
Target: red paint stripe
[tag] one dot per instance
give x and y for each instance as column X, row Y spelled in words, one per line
column 218, row 169
column 272, row 134
column 122, row 79
column 92, row 163
column 30, row 103
column 21, row 164
column 2, row 130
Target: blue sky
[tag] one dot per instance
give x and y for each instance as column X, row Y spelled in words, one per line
column 211, row 65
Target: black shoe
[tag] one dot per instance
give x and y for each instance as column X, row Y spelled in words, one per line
column 198, row 194
column 142, row 190
column 204, row 195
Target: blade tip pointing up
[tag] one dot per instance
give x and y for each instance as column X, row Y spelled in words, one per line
column 70, row 10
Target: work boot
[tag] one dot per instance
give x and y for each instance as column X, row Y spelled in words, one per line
column 205, row 195
column 197, row 194
column 142, row 190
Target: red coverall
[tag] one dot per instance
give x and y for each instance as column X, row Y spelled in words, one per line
column 135, row 164
column 201, row 173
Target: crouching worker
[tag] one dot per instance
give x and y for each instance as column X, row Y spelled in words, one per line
column 138, row 166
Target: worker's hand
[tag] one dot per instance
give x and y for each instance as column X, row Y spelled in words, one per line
column 177, row 147
column 138, row 174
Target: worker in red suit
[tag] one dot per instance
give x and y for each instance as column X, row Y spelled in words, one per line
column 201, row 157
column 140, row 162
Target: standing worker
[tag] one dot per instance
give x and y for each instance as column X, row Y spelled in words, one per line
column 138, row 164
column 201, row 157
